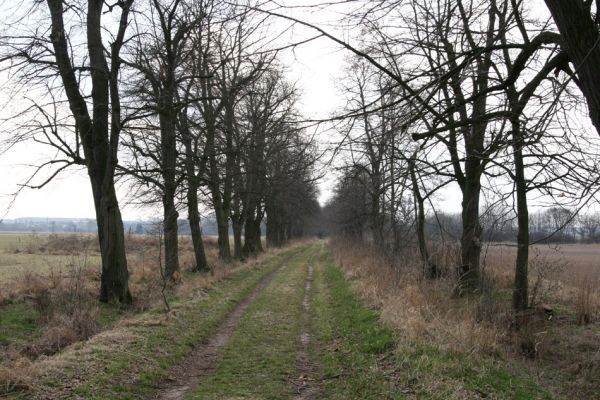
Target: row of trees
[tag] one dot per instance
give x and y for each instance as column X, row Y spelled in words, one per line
column 183, row 101
column 472, row 94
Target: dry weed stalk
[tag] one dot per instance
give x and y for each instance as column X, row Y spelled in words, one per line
column 20, row 375
column 586, row 301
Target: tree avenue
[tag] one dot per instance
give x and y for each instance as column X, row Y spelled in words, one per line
column 188, row 105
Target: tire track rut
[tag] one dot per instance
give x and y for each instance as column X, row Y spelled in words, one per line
column 305, row 386
column 202, row 360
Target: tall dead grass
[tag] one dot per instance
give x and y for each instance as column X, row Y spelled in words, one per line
column 419, row 309
column 66, row 305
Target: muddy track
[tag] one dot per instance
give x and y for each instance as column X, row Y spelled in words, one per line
column 201, row 361
column 305, row 384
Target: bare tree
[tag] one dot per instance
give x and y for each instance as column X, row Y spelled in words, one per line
column 161, row 53
column 84, row 71
column 228, row 65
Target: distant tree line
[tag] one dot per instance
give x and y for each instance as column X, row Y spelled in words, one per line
column 141, row 227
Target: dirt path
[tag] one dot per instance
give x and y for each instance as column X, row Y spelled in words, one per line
column 201, row 361
column 306, row 388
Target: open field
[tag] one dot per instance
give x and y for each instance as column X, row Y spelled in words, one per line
column 25, row 253
column 572, row 262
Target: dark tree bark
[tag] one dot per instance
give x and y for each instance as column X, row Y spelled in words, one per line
column 195, row 226
column 431, row 271
column 252, row 235
column 237, row 226
column 521, row 285
column 470, row 239
column 166, row 90
column 275, row 225
column 193, row 184
column 221, row 205
column 219, row 186
column 222, row 217
column 238, row 215
column 581, row 39
column 99, row 146
column 169, row 175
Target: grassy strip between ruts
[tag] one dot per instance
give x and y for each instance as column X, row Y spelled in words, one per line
column 129, row 361
column 360, row 358
column 259, row 360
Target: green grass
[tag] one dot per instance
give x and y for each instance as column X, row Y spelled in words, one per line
column 362, row 359
column 351, row 342
column 18, row 324
column 261, row 355
column 127, row 363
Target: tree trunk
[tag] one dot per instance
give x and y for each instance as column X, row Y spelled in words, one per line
column 222, row 218
column 431, row 271
column 194, row 218
column 520, row 290
column 100, row 147
column 169, row 164
column 192, row 196
column 237, row 226
column 275, row 228
column 170, row 237
column 252, row 237
column 581, row 40
column 376, row 216
column 114, row 280
column 469, row 279
column 238, row 215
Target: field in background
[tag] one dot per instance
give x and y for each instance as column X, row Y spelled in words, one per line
column 577, row 260
column 23, row 253
column 558, row 341
column 559, row 273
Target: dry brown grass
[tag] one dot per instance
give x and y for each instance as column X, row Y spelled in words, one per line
column 19, row 375
column 419, row 309
column 66, row 307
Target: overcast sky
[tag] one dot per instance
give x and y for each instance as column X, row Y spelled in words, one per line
column 315, row 67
